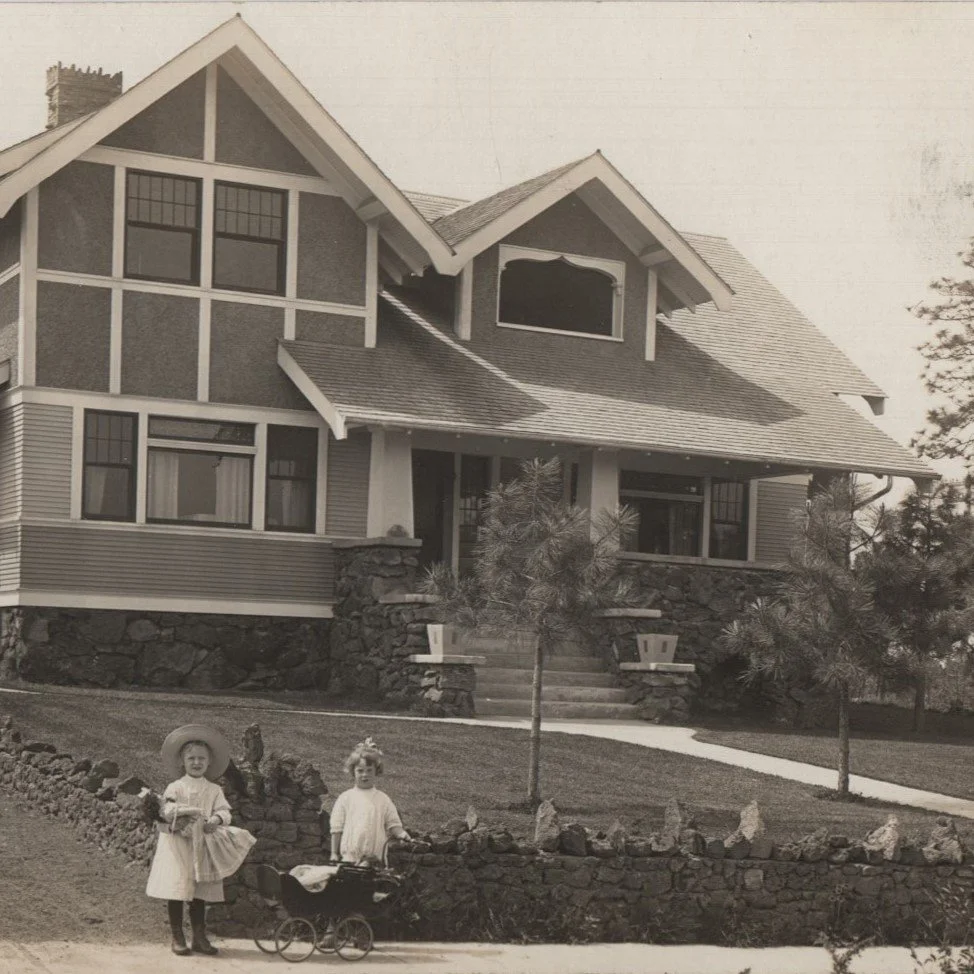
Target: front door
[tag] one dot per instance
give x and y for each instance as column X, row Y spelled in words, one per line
column 433, row 475
column 449, row 493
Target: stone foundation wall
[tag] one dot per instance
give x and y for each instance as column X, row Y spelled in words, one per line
column 114, row 648
column 466, row 881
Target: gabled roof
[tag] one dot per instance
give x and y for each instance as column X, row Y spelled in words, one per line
column 289, row 104
column 686, row 277
column 461, row 223
column 432, row 206
column 755, row 384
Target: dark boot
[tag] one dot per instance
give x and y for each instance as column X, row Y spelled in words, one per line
column 197, row 919
column 175, row 909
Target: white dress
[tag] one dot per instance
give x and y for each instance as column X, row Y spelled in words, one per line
column 365, row 817
column 172, row 874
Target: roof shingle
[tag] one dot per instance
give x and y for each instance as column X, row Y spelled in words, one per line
column 756, row 383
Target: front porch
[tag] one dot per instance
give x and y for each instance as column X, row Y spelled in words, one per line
column 696, row 556
column 692, row 510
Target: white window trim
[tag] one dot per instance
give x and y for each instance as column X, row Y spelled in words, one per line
column 258, row 451
column 616, row 269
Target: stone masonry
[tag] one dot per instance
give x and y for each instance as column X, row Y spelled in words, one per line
column 468, row 881
column 114, row 648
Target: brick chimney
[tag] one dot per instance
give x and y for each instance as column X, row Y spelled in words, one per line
column 73, row 92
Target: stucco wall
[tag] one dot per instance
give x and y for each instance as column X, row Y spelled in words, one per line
column 243, row 357
column 331, row 251
column 160, row 345
column 245, row 136
column 73, row 336
column 172, row 126
column 75, row 219
column 314, row 326
column 10, row 238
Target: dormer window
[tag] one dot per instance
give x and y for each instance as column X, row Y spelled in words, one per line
column 563, row 293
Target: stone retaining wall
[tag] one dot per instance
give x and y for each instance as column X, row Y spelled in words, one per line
column 470, row 882
column 115, row 648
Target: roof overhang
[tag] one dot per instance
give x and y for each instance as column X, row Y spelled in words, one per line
column 288, row 104
column 687, row 278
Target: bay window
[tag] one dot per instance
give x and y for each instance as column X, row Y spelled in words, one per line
column 199, row 472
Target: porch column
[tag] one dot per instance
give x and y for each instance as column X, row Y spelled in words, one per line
column 390, row 482
column 598, row 481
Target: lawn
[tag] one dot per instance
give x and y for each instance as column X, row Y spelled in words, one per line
column 434, row 770
column 882, row 746
column 54, row 889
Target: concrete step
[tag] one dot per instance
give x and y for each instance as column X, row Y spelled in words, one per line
column 555, row 678
column 575, row 694
column 553, row 708
column 571, row 664
column 490, row 645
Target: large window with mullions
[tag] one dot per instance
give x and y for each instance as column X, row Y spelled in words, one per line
column 162, row 228
column 249, row 238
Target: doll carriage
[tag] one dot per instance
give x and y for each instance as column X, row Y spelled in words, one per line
column 334, row 919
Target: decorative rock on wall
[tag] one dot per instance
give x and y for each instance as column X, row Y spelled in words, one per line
column 114, row 648
column 467, row 881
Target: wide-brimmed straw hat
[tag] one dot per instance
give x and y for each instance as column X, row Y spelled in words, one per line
column 210, row 736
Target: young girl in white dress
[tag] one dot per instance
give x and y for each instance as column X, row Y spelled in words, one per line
column 364, row 818
column 194, row 833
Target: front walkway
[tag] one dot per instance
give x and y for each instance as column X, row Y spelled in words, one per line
column 242, row 957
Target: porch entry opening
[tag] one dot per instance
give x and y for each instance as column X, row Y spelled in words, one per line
column 449, row 498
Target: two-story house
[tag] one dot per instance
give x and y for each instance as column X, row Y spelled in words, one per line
column 231, row 346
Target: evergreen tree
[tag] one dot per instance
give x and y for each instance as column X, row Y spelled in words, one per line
column 949, row 369
column 922, row 571
column 543, row 571
column 822, row 625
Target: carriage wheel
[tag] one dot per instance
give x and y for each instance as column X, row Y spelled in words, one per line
column 353, row 937
column 327, row 940
column 264, row 931
column 295, row 939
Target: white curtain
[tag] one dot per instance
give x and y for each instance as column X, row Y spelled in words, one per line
column 233, row 490
column 163, row 478
column 295, row 503
column 95, row 479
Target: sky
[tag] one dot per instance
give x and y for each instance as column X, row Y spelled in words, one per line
column 833, row 143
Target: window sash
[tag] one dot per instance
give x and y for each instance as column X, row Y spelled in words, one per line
column 100, row 475
column 168, row 475
column 270, row 232
column 292, row 480
column 135, row 218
